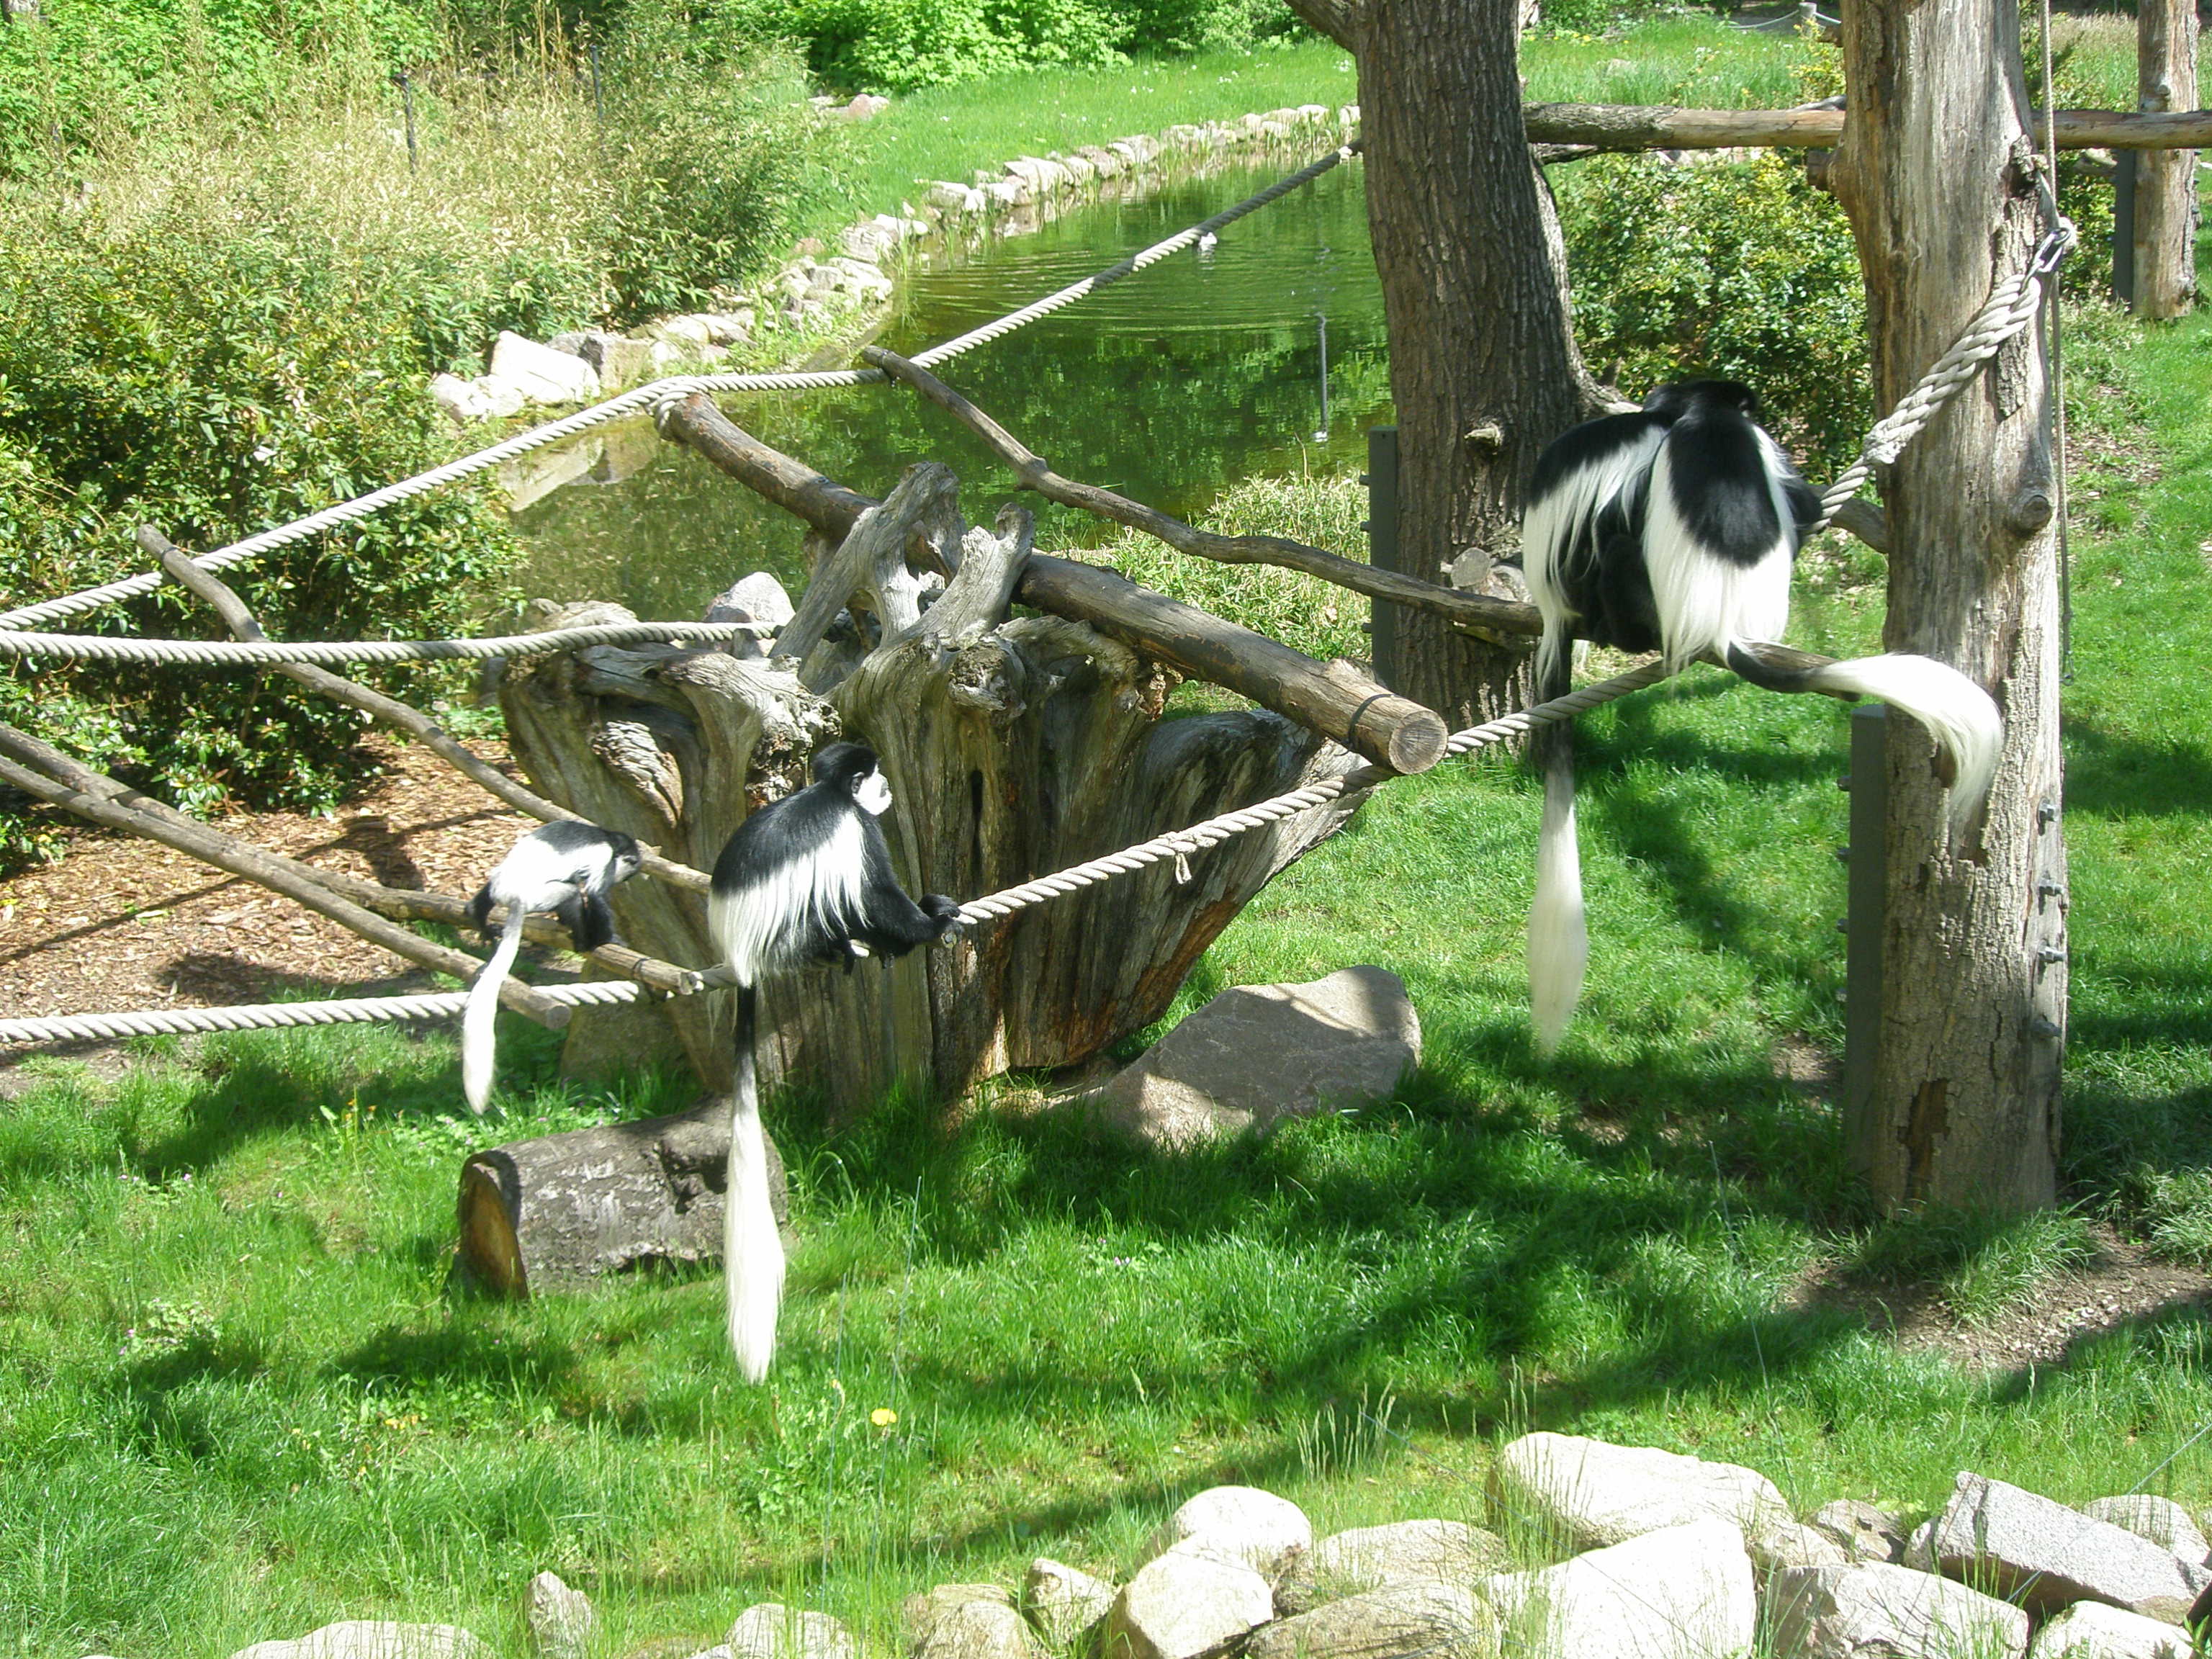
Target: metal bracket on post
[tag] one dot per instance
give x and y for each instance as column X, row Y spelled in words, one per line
column 1382, row 528
column 1865, row 864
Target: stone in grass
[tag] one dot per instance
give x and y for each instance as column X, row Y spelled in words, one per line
column 1682, row 1592
column 772, row 1631
column 542, row 374
column 968, row 1621
column 1240, row 1524
column 1593, row 1494
column 1182, row 1606
column 2046, row 1557
column 2090, row 1630
column 372, row 1639
column 2160, row 1520
column 1861, row 1531
column 1066, row 1601
column 563, row 1623
column 1257, row 1054
column 1420, row 1619
column 1376, row 1558
column 1875, row 1608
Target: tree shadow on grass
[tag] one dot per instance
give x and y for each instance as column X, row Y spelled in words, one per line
column 2123, row 777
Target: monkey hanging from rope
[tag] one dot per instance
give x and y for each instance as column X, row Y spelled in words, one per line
column 805, row 879
column 565, row 867
column 1674, row 529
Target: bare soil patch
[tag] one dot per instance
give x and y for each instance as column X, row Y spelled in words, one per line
column 123, row 923
column 2124, row 1285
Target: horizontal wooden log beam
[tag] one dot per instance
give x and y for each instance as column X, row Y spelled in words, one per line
column 1499, row 616
column 1660, row 126
column 1365, row 717
column 1331, row 698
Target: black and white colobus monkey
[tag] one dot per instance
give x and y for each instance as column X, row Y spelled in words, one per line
column 805, row 879
column 565, row 867
column 1674, row 530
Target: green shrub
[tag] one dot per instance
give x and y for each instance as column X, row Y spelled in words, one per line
column 214, row 378
column 1740, row 269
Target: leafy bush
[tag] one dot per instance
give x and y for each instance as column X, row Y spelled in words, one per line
column 1740, row 269
column 214, row 379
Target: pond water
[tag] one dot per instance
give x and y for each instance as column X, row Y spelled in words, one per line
column 1168, row 385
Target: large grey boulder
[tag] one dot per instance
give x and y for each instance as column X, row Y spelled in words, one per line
column 1682, row 1592
column 1257, row 1054
column 2047, row 1557
column 1873, row 1610
column 2090, row 1630
column 2161, row 1520
column 372, row 1639
column 563, row 1623
column 540, row 373
column 1417, row 1619
column 1592, row 1494
column 1242, row 1524
column 758, row 598
column 1376, row 1558
column 1863, row 1532
column 1182, row 1606
column 770, row 1629
column 968, row 1621
column 1066, row 1601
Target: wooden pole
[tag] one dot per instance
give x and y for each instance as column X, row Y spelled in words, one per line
column 2165, row 180
column 1930, row 171
column 1629, row 127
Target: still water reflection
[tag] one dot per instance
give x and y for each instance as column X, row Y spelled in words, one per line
column 1169, row 385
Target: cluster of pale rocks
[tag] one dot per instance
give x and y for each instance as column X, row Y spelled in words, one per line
column 818, row 286
column 1668, row 1557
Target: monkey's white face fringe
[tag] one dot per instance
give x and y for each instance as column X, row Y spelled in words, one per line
column 1558, row 939
column 874, row 794
column 752, row 1250
column 750, row 926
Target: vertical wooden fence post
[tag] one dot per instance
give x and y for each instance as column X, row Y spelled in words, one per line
column 1382, row 527
column 1866, row 877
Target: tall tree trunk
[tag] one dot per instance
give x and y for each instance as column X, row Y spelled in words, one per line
column 1483, row 365
column 1934, row 170
column 2166, row 179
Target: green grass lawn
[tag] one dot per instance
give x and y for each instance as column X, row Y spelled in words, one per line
column 239, row 1396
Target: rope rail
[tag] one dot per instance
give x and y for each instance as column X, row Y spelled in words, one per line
column 87, row 647
column 1177, row 845
column 654, row 396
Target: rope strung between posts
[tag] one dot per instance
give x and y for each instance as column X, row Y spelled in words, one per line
column 1177, row 845
column 2012, row 306
column 266, row 1016
column 654, row 396
column 1182, row 842
column 90, row 648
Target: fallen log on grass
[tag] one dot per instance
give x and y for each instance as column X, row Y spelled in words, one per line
column 560, row 1210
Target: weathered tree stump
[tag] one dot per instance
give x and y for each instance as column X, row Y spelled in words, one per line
column 564, row 1210
column 1013, row 747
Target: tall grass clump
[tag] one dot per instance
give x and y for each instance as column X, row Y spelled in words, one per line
column 219, row 317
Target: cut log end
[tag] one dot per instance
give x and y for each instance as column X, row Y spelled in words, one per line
column 1416, row 738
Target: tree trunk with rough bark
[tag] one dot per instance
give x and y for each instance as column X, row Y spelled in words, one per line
column 1013, row 748
column 1934, row 172
column 1483, row 366
column 2165, row 180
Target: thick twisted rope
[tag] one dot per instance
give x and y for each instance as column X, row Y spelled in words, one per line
column 656, row 395
column 1180, row 843
column 2012, row 306
column 1177, row 845
column 90, row 648
column 256, row 1016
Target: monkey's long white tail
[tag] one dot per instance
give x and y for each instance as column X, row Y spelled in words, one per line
column 482, row 1009
column 1558, row 938
column 752, row 1249
column 1959, row 714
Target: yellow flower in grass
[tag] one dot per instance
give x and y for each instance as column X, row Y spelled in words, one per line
column 882, row 1417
